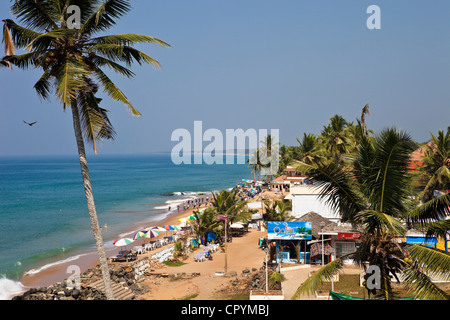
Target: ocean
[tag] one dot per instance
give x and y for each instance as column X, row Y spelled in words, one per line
column 43, row 213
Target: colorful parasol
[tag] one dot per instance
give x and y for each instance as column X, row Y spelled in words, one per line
column 120, row 242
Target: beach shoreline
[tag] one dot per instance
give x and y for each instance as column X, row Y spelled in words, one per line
column 57, row 271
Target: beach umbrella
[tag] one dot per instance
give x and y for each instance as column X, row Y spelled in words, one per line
column 139, row 234
column 157, row 228
column 151, row 233
column 168, row 227
column 122, row 242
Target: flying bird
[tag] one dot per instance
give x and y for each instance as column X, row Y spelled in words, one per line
column 30, row 124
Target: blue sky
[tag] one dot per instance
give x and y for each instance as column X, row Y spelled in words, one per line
column 287, row 65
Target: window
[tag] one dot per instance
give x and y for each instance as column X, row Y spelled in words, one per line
column 344, row 248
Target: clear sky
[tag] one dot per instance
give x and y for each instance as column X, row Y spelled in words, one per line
column 287, row 64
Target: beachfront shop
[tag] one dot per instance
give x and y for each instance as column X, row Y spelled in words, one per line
column 340, row 243
column 288, row 241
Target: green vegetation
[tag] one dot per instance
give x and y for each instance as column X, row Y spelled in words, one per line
column 176, row 263
column 365, row 178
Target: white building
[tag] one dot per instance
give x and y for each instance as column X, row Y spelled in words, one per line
column 305, row 199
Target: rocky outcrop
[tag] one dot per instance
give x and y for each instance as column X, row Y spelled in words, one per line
column 127, row 275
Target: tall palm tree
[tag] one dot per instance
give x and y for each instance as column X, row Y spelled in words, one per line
column 269, row 152
column 72, row 60
column 365, row 111
column 375, row 193
column 436, row 164
column 255, row 164
column 334, row 138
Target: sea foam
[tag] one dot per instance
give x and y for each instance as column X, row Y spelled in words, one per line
column 10, row 288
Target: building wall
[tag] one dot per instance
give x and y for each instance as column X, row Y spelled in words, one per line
column 305, row 203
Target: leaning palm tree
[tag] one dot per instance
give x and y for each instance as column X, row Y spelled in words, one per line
column 375, row 193
column 72, row 59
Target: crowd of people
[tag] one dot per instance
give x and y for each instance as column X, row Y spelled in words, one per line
column 195, row 203
column 249, row 190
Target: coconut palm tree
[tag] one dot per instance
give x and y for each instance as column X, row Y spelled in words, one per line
column 278, row 210
column 269, row 156
column 227, row 203
column 334, row 137
column 255, row 164
column 375, row 193
column 205, row 222
column 436, row 160
column 309, row 149
column 365, row 110
column 72, row 61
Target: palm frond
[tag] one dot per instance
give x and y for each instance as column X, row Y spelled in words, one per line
column 388, row 171
column 437, row 229
column 99, row 61
column 124, row 54
column 45, row 41
column 434, row 210
column 23, row 61
column 128, row 40
column 20, row 36
column 113, row 91
column 69, row 80
column 38, row 15
column 335, row 185
column 317, row 278
column 94, row 120
column 43, row 85
column 434, row 261
column 8, row 41
column 422, row 286
column 104, row 17
column 375, row 221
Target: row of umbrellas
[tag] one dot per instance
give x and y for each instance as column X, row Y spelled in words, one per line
column 147, row 233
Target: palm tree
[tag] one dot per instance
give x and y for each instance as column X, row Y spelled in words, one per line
column 205, row 222
column 278, row 210
column 287, row 154
column 334, row 136
column 227, row 203
column 269, row 156
column 376, row 194
column 255, row 164
column 72, row 62
column 436, row 162
column 364, row 111
column 309, row 150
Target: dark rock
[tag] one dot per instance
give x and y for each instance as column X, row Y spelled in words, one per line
column 76, row 293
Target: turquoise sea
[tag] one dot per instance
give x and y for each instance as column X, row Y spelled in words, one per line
column 43, row 211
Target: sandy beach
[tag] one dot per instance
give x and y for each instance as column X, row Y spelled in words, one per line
column 243, row 253
column 86, row 261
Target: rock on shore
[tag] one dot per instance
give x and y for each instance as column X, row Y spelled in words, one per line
column 127, row 275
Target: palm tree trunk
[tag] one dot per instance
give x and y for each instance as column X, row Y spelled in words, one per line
column 90, row 202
